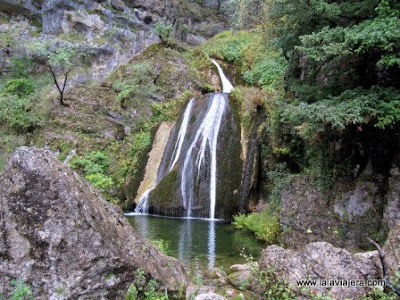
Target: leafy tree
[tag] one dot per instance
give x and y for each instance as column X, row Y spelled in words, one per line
column 341, row 50
column 60, row 62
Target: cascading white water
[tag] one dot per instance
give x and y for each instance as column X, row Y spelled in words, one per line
column 196, row 147
column 227, row 87
column 207, row 137
column 182, row 134
column 143, row 205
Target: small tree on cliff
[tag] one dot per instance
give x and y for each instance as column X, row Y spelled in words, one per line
column 163, row 31
column 60, row 62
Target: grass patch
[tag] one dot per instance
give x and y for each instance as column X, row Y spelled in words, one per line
column 264, row 225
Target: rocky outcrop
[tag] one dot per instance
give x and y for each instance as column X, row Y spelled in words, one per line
column 240, row 276
column 392, row 249
column 209, row 296
column 153, row 161
column 62, row 238
column 319, row 261
column 392, row 197
column 109, row 32
column 344, row 216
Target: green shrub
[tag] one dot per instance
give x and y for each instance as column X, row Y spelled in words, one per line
column 20, row 86
column 376, row 105
column 21, row 291
column 138, row 84
column 92, row 162
column 160, row 244
column 265, row 225
column 163, row 31
column 100, row 181
column 20, row 67
column 145, row 289
column 94, row 167
column 20, row 114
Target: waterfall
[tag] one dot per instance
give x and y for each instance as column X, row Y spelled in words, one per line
column 227, row 87
column 143, row 204
column 207, row 137
column 181, row 134
column 192, row 165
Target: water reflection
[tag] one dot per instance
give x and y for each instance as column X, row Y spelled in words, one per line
column 211, row 244
column 185, row 241
column 199, row 244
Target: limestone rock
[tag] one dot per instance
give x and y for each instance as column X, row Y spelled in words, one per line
column 321, row 260
column 392, row 249
column 392, row 197
column 58, row 234
column 238, row 268
column 153, row 162
column 344, row 216
column 241, row 279
column 209, row 296
column 218, row 277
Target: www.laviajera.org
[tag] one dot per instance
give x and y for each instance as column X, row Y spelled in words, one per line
column 341, row 282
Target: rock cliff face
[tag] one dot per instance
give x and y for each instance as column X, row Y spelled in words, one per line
column 65, row 240
column 392, row 249
column 110, row 32
column 347, row 213
column 344, row 216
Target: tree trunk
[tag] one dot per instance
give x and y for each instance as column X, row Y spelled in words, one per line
column 60, row 90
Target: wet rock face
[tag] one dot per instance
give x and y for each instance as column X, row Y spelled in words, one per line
column 167, row 197
column 321, row 260
column 57, row 234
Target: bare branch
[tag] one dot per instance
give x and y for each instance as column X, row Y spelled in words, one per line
column 384, row 268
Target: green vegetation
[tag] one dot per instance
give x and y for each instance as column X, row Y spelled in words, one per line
column 22, row 110
column 163, row 31
column 19, row 110
column 260, row 63
column 94, row 166
column 20, row 291
column 265, row 225
column 267, row 282
column 330, row 72
column 145, row 289
column 60, row 62
column 160, row 244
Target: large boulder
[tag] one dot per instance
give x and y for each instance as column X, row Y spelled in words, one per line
column 63, row 239
column 318, row 261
